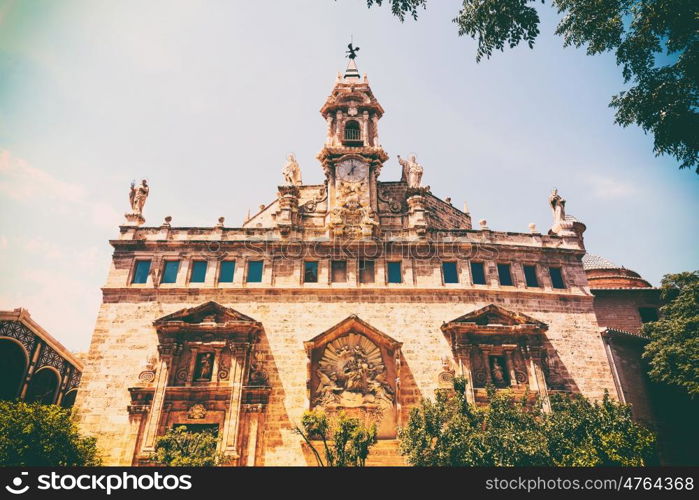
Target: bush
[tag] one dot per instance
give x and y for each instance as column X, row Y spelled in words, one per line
column 33, row 434
column 181, row 448
column 510, row 432
column 346, row 441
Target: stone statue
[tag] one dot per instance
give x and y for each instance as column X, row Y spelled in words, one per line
column 498, row 373
column 412, row 171
column 563, row 225
column 292, row 171
column 205, row 366
column 138, row 196
column 558, row 206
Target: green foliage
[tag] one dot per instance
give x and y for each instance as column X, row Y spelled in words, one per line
column 673, row 352
column 42, row 435
column 346, row 441
column 656, row 43
column 510, row 432
column 401, row 8
column 181, row 448
column 584, row 434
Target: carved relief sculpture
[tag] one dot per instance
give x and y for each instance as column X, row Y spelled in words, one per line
column 351, row 373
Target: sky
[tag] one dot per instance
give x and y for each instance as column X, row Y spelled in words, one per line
column 205, row 99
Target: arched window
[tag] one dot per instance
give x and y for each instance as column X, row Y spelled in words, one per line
column 42, row 387
column 69, row 399
column 14, row 362
column 352, row 131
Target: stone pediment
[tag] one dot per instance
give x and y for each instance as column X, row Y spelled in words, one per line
column 208, row 316
column 493, row 319
column 352, row 324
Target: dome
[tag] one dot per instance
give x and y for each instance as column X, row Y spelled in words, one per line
column 602, row 273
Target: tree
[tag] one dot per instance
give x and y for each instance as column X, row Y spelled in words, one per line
column 673, row 352
column 181, row 448
column 656, row 43
column 33, row 434
column 346, row 441
column 512, row 432
column 585, row 434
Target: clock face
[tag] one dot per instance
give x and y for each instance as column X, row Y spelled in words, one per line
column 352, row 170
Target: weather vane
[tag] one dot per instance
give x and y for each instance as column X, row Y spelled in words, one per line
column 352, row 52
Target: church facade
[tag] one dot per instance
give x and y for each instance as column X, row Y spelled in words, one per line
column 360, row 295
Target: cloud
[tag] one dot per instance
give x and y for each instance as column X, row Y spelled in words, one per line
column 24, row 183
column 69, row 315
column 609, row 188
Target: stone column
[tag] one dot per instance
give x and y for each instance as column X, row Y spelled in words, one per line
column 216, row 363
column 239, row 358
column 399, row 404
column 365, row 128
column 193, row 351
column 167, row 353
column 338, row 127
column 467, row 372
column 255, row 414
column 510, row 367
column 486, row 364
column 31, row 366
column 536, row 376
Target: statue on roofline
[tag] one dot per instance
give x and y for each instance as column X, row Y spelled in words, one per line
column 412, row 171
column 138, row 196
column 292, row 171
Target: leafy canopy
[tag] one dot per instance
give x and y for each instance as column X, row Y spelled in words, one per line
column 673, row 352
column 346, row 441
column 182, row 448
column 510, row 432
column 656, row 43
column 33, row 434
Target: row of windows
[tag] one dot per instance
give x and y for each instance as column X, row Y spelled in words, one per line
column 198, row 274
column 451, row 275
column 338, row 272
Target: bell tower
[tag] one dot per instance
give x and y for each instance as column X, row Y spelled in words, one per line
column 352, row 156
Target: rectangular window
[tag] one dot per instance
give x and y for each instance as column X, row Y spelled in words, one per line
column 366, row 271
column 504, row 275
column 478, row 273
column 530, row 276
column 225, row 273
column 170, row 271
column 140, row 273
column 254, row 271
column 449, row 273
column 338, row 271
column 310, row 272
column 648, row 314
column 556, row 277
column 198, row 271
column 395, row 273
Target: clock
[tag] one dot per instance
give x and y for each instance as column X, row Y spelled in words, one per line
column 352, row 170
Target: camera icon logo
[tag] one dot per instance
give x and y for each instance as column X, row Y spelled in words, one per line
column 17, row 483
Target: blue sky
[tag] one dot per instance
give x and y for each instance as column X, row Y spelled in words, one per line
column 206, row 99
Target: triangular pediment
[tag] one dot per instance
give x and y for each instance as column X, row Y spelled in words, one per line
column 207, row 313
column 493, row 315
column 352, row 324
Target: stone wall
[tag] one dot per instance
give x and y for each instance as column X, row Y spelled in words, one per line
column 124, row 339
